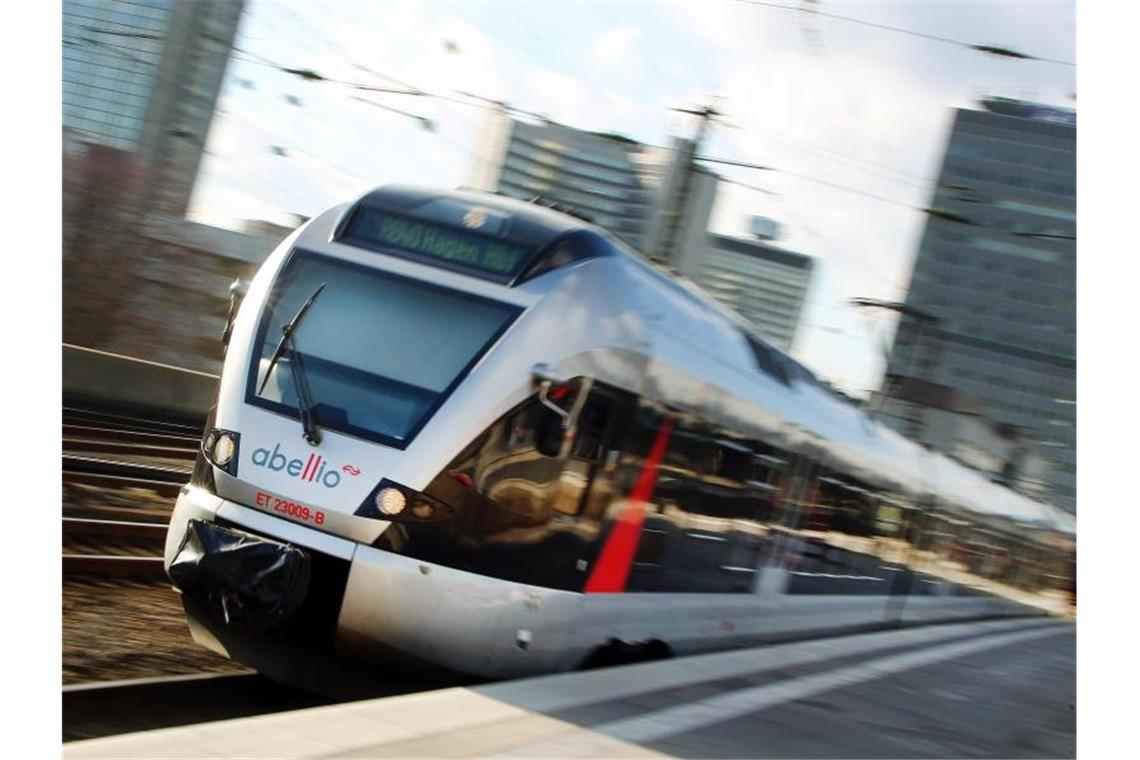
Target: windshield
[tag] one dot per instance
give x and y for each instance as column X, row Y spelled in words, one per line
column 380, row 352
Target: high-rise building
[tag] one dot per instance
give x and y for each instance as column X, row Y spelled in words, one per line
column 143, row 77
column 992, row 294
column 629, row 188
column 619, row 183
column 762, row 283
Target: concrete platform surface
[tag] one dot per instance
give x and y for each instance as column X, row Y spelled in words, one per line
column 992, row 689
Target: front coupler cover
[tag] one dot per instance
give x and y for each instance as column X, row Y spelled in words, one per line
column 245, row 581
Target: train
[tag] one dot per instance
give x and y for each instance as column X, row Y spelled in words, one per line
column 480, row 435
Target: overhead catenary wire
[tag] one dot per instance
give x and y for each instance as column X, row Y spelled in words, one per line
column 312, row 75
column 847, row 262
column 289, row 152
column 405, row 88
column 493, row 105
column 412, row 90
column 939, row 213
column 747, row 186
column 315, row 31
column 980, row 48
column 901, row 175
column 828, row 183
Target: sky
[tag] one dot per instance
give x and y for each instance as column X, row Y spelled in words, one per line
column 852, row 118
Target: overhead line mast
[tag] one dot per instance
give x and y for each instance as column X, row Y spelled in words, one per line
column 675, row 204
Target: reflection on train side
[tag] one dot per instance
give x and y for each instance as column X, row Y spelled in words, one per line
column 537, row 494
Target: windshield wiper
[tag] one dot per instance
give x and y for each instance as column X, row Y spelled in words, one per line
column 297, row 369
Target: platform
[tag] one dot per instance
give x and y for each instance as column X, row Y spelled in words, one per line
column 990, row 689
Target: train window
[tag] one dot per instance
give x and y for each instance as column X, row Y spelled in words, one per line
column 688, row 450
column 734, row 461
column 578, row 245
column 380, row 352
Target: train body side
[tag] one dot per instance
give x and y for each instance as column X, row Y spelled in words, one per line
column 762, row 510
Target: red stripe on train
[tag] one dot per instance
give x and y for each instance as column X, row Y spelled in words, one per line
column 611, row 571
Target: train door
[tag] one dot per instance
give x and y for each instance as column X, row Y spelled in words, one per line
column 738, row 466
column 624, row 462
column 793, row 481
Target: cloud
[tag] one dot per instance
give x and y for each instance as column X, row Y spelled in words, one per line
column 728, row 29
column 616, row 47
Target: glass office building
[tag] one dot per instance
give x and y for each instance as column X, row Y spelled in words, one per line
column 620, row 184
column 764, row 284
column 596, row 174
column 111, row 56
column 143, row 77
column 996, row 270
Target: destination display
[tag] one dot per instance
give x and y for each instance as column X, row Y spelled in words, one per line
column 452, row 245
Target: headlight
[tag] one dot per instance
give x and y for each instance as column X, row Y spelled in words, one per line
column 221, row 449
column 397, row 503
column 390, row 501
column 224, row 449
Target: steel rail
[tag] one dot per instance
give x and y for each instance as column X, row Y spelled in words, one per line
column 160, row 487
column 73, row 463
column 131, row 420
column 157, row 516
column 129, row 449
column 99, row 433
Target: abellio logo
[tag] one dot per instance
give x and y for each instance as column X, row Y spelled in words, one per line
column 315, row 469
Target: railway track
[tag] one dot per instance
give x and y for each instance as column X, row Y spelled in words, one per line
column 115, row 473
column 121, row 473
column 104, row 433
column 88, row 445
column 112, row 419
column 113, row 549
column 159, row 515
column 110, row 448
column 118, row 468
column 130, row 436
column 161, row 487
column 111, row 527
